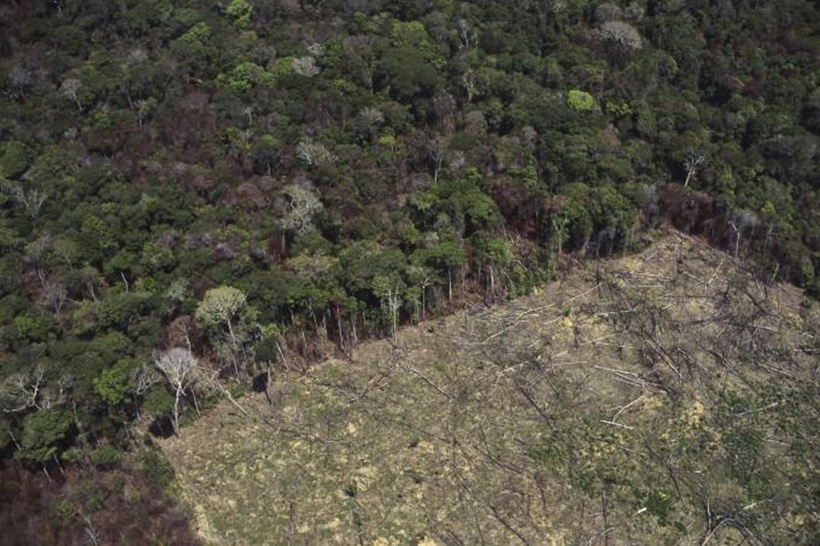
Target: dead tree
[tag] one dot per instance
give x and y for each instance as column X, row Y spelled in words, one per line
column 179, row 366
column 693, row 162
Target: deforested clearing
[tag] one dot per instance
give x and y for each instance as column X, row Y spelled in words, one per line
column 663, row 398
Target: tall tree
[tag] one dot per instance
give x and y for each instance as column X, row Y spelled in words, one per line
column 179, row 367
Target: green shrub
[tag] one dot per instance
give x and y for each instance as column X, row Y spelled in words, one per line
column 580, row 101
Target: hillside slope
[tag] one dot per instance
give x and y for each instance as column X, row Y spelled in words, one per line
column 667, row 397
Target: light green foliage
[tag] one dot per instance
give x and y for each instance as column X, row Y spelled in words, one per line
column 618, row 109
column 98, row 233
column 105, row 457
column 115, row 384
column 187, row 17
column 497, row 251
column 33, row 327
column 530, row 177
column 413, row 35
column 240, row 11
column 247, row 74
column 220, row 305
column 177, row 292
column 197, row 34
column 194, row 45
column 101, row 117
column 157, row 258
column 580, row 101
column 602, row 211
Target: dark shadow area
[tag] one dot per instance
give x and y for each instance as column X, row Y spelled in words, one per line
column 260, row 383
column 162, row 427
column 121, row 506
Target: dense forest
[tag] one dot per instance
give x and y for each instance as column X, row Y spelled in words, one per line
column 195, row 195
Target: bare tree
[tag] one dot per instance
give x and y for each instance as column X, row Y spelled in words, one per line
column 31, row 199
column 389, row 292
column 467, row 34
column 179, row 367
column 70, row 89
column 445, row 108
column 435, row 149
column 305, row 66
column 65, row 250
column 144, row 109
column 22, row 391
column 742, row 220
column 470, row 82
column 91, row 532
column 622, row 35
column 35, row 256
column 608, row 12
column 20, row 79
column 247, row 111
column 53, row 295
column 144, row 378
column 314, row 153
column 300, row 207
column 693, row 162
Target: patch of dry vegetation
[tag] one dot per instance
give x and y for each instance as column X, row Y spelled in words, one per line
column 659, row 398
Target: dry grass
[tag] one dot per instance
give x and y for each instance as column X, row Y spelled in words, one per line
column 431, row 438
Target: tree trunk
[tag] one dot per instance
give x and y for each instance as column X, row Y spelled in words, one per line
column 176, row 411
column 233, row 343
column 267, row 382
column 196, row 404
column 394, row 311
column 342, row 342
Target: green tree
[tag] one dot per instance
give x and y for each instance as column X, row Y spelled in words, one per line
column 220, row 308
column 580, row 101
column 496, row 255
column 240, row 11
column 115, row 384
column 44, row 435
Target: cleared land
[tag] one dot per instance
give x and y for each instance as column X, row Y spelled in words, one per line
column 661, row 398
